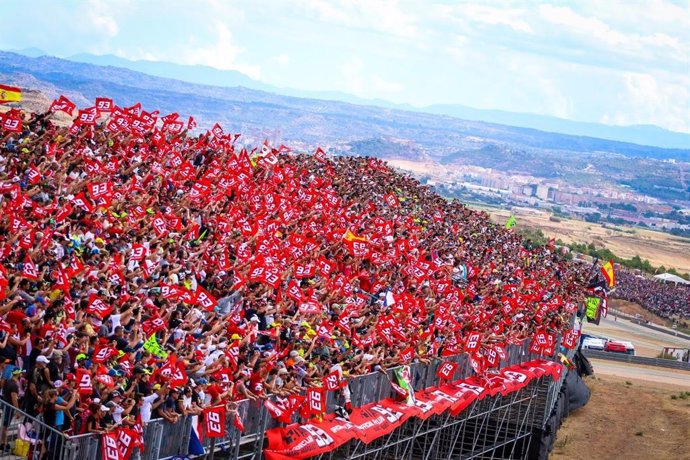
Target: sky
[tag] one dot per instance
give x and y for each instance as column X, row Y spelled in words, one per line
column 617, row 62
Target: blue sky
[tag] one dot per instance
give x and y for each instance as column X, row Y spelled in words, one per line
column 609, row 61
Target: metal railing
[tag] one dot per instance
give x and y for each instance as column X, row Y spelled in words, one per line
column 624, row 358
column 29, row 437
column 164, row 440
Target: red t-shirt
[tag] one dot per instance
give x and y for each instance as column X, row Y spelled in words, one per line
column 214, row 391
column 16, row 317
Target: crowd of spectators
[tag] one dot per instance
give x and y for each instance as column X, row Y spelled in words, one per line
column 179, row 271
column 665, row 299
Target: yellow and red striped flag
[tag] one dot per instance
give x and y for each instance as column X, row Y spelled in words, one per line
column 10, row 94
column 607, row 270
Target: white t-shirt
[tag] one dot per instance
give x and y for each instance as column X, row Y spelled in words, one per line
column 146, row 407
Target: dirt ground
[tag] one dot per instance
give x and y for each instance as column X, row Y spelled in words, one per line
column 627, row 418
column 658, row 247
column 636, row 309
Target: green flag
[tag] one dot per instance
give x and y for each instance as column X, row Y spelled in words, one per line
column 151, row 345
column 592, row 304
column 511, row 222
column 404, row 378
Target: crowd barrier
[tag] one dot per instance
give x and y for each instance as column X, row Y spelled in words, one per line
column 624, row 358
column 507, row 419
column 643, row 323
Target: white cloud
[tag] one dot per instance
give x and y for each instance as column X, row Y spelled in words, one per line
column 222, row 54
column 358, row 82
column 514, row 18
column 594, row 32
column 644, row 100
column 391, row 17
column 282, row 59
column 103, row 16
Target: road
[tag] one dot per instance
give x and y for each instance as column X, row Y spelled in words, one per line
column 646, row 373
column 648, row 342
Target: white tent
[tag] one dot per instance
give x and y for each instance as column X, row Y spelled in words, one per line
column 667, row 277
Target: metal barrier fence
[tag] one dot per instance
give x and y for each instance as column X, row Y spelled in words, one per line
column 29, row 437
column 643, row 323
column 502, row 423
column 624, row 358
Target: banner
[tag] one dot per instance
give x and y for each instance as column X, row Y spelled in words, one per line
column 374, row 420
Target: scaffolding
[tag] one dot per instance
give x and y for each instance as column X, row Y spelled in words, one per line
column 495, row 427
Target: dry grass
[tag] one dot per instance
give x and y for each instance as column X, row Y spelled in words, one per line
column 627, row 419
column 658, row 247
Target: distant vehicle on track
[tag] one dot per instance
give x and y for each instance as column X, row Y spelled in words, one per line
column 593, row 343
column 615, row 347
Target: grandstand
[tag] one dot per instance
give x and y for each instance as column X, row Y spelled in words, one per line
column 169, row 292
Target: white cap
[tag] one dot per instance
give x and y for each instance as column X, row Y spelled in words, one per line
column 42, row 359
column 254, row 318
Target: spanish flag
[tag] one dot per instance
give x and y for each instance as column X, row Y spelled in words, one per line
column 607, row 270
column 10, row 94
column 350, row 237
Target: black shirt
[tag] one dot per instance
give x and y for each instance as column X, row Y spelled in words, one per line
column 10, row 386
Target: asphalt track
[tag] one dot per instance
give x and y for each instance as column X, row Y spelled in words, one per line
column 648, row 342
column 646, row 373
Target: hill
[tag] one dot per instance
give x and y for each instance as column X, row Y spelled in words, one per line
column 443, row 142
column 643, row 135
column 335, row 120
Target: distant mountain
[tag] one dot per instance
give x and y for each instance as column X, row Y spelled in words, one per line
column 640, row 134
column 418, row 137
column 204, row 75
column 308, row 120
column 636, row 134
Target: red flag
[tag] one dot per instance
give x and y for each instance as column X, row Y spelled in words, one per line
column 102, row 354
column 473, row 341
column 320, row 155
column 11, row 122
column 191, row 123
column 237, row 423
column 134, row 110
column 99, row 308
column 407, row 354
column 87, row 117
column 84, row 386
column 392, row 200
column 214, row 421
column 205, row 299
column 29, row 270
column 317, row 400
column 446, row 371
column 127, row 441
column 110, row 449
column 570, row 339
column 217, row 131
column 104, row 105
column 62, row 104
column 332, row 381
